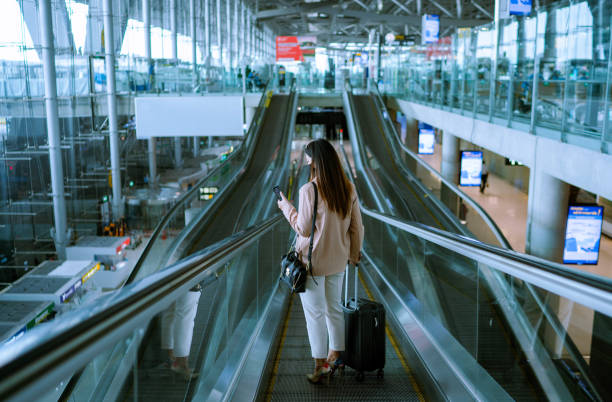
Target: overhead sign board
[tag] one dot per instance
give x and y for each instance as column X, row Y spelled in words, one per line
column 427, row 139
column 295, row 48
column 287, row 48
column 430, row 28
column 187, row 116
column 583, row 234
column 471, row 168
column 514, row 7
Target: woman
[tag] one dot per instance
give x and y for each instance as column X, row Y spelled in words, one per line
column 337, row 239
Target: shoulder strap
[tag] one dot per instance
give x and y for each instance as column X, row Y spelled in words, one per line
column 314, row 217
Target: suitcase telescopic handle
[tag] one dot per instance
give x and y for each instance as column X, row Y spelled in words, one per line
column 346, row 275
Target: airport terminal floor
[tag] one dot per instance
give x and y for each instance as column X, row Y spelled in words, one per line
column 141, row 240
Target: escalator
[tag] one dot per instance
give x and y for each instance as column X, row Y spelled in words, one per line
column 264, row 162
column 448, row 300
column 471, row 304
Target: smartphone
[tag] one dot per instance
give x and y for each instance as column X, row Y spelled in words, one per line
column 276, row 190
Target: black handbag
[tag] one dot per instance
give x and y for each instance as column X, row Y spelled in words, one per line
column 293, row 271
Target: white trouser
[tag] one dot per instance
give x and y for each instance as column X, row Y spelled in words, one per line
column 324, row 314
column 177, row 324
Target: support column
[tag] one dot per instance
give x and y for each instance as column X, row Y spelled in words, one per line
column 53, row 134
column 146, row 16
column 228, row 9
column 173, row 37
column 450, row 170
column 220, row 43
column 194, row 38
column 546, row 215
column 113, row 127
column 178, row 152
column 450, row 157
column 194, row 61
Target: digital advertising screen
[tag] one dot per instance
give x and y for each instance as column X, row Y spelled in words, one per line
column 471, row 168
column 427, row 139
column 582, row 234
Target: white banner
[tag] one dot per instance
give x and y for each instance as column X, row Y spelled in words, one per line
column 189, row 116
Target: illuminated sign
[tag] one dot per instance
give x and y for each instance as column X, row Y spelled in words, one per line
column 582, row 235
column 123, row 245
column 288, row 49
column 207, row 193
column 295, row 48
column 89, row 273
column 430, row 28
column 471, row 168
column 427, row 139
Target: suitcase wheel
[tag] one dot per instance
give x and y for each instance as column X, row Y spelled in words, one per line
column 380, row 373
column 360, row 376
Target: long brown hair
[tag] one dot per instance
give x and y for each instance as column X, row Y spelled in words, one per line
column 334, row 186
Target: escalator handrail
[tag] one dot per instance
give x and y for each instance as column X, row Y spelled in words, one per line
column 584, row 288
column 160, row 226
column 468, row 200
column 286, row 127
column 50, row 352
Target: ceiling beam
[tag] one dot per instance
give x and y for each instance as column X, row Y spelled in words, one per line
column 361, row 4
column 441, row 8
column 286, row 11
column 482, row 9
column 401, row 6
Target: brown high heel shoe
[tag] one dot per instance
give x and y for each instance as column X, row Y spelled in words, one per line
column 320, row 373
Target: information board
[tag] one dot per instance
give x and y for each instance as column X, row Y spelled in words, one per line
column 471, row 168
column 430, row 28
column 427, row 139
column 582, row 234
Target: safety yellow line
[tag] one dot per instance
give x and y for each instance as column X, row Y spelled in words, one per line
column 396, row 348
column 279, row 353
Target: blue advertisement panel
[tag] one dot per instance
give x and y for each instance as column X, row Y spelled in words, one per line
column 427, row 139
column 471, row 168
column 430, row 28
column 582, row 234
column 520, row 7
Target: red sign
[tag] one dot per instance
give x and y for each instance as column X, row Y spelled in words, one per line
column 288, row 49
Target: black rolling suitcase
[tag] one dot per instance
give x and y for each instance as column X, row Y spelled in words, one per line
column 364, row 334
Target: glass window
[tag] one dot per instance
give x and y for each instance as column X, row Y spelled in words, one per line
column 15, row 40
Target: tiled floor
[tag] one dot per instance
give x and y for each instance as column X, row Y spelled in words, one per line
column 507, row 205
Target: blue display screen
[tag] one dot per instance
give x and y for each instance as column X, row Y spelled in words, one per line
column 583, row 234
column 471, row 168
column 427, row 139
column 520, row 7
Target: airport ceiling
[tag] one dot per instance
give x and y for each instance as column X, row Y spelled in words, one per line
column 350, row 21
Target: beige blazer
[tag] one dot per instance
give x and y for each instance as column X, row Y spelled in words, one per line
column 336, row 239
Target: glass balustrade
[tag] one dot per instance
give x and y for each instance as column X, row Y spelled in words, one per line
column 525, row 337
column 552, row 64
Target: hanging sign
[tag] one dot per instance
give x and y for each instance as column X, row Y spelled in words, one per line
column 582, row 234
column 514, row 7
column 288, row 48
column 430, row 28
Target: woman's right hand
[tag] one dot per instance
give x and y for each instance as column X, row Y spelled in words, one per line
column 356, row 262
